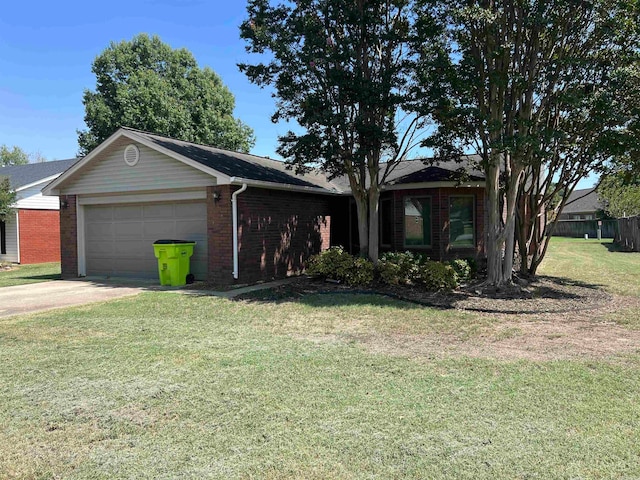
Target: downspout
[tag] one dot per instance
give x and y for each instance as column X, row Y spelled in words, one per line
column 234, row 208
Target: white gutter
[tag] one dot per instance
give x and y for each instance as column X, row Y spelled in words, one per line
column 281, row 186
column 234, row 208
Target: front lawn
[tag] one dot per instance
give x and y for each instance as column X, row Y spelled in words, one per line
column 321, row 386
column 597, row 262
column 24, row 274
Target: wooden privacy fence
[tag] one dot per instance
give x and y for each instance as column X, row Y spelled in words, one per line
column 578, row 228
column 628, row 235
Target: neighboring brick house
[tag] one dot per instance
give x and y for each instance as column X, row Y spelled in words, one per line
column 32, row 234
column 252, row 218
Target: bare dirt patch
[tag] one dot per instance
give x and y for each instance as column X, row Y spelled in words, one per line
column 548, row 319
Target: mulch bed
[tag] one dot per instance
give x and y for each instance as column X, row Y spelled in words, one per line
column 543, row 295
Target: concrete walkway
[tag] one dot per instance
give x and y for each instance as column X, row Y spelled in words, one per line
column 37, row 297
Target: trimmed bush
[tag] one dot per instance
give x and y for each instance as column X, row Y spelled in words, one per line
column 437, row 276
column 337, row 264
column 462, row 269
column 399, row 268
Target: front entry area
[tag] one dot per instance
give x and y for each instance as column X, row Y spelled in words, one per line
column 119, row 238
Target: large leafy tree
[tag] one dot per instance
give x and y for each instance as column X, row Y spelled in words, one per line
column 342, row 70
column 523, row 83
column 620, row 191
column 12, row 156
column 145, row 84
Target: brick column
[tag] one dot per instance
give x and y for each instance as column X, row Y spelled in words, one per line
column 220, row 235
column 68, row 236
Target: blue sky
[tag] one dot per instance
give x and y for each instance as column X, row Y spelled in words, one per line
column 46, row 51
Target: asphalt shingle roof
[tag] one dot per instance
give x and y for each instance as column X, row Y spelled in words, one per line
column 252, row 167
column 236, row 164
column 583, row 201
column 21, row 175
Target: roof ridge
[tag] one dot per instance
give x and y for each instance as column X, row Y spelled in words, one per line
column 201, row 144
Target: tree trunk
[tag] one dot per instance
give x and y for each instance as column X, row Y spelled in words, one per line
column 374, row 238
column 495, row 239
column 363, row 225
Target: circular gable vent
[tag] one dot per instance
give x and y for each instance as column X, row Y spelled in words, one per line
column 131, row 155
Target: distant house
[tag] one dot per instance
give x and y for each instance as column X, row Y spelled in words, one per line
column 580, row 217
column 582, row 205
column 252, row 218
column 32, row 235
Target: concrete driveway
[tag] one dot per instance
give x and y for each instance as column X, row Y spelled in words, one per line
column 38, row 297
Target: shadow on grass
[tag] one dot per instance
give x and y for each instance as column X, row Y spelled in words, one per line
column 52, row 276
column 616, row 248
column 544, row 295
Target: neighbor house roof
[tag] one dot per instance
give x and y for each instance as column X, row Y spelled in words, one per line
column 583, row 201
column 31, row 173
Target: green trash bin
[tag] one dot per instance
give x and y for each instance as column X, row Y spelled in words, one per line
column 173, row 261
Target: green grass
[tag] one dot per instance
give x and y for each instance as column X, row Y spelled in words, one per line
column 170, row 386
column 594, row 262
column 25, row 274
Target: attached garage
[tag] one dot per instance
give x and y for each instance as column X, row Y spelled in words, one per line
column 119, row 238
column 251, row 218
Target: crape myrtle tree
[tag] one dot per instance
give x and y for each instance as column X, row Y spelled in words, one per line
column 519, row 82
column 341, row 69
column 145, row 84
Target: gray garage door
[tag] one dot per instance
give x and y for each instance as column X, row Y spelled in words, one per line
column 119, row 238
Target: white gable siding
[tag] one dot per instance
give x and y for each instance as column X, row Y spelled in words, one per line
column 108, row 173
column 12, row 240
column 32, row 198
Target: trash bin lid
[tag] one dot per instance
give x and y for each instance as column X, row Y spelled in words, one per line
column 167, row 242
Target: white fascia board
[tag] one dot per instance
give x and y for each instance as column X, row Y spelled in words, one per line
column 415, row 186
column 43, row 180
column 53, row 190
column 279, row 186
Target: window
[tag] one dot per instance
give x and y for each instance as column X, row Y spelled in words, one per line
column 462, row 232
column 386, row 222
column 417, row 222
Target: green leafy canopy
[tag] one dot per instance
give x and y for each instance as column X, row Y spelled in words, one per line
column 145, row 84
column 7, row 198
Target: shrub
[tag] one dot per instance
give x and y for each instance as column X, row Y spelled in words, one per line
column 437, row 276
column 462, row 269
column 399, row 268
column 339, row 265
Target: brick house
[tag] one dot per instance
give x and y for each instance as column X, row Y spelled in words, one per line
column 251, row 217
column 32, row 234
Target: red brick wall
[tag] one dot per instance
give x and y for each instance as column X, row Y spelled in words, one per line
column 39, row 236
column 68, row 236
column 279, row 231
column 220, row 234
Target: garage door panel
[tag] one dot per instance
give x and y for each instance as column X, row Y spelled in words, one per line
column 128, row 229
column 197, row 210
column 99, row 248
column 119, row 238
column 100, row 230
column 128, row 212
column 158, row 211
column 102, row 213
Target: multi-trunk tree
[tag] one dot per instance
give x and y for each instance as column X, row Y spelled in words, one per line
column 342, row 70
column 523, row 83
